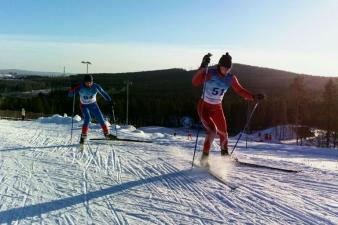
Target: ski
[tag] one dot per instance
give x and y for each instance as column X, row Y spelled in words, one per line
column 242, row 163
column 120, row 139
column 217, row 177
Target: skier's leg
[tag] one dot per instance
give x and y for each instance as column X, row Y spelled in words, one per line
column 219, row 118
column 86, row 119
column 99, row 117
column 205, row 117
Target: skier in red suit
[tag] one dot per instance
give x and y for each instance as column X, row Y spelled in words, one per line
column 216, row 81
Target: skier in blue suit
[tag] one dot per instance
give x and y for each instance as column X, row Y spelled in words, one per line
column 88, row 105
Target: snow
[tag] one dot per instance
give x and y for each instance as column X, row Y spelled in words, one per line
column 6, row 76
column 44, row 179
column 59, row 119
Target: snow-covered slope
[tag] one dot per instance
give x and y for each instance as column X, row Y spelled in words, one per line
column 44, row 179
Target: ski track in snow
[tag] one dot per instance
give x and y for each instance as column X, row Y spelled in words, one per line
column 45, row 179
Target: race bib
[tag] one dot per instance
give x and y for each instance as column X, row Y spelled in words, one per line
column 216, row 87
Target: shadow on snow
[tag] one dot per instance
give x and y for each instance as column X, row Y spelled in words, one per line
column 14, row 214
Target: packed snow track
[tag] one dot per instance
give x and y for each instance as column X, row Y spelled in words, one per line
column 45, row 179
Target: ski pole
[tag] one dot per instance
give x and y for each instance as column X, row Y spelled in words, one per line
column 71, row 131
column 245, row 127
column 198, row 129
column 193, row 158
column 112, row 108
column 246, row 138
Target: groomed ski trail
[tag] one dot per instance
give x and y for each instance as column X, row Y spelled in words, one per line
column 45, row 179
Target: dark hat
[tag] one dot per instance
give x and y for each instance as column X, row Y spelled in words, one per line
column 88, row 78
column 225, row 60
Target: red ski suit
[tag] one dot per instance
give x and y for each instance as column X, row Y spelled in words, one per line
column 210, row 108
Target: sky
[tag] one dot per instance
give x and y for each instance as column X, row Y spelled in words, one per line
column 123, row 36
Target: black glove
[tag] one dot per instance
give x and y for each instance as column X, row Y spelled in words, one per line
column 73, row 84
column 205, row 60
column 259, row 97
column 71, row 90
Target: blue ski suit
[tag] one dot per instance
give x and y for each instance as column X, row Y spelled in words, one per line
column 88, row 104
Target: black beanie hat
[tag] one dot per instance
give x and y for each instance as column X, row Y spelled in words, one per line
column 225, row 60
column 88, row 78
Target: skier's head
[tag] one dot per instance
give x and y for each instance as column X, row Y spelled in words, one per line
column 88, row 80
column 224, row 64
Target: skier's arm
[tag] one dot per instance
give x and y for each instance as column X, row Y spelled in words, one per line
column 103, row 93
column 199, row 77
column 74, row 90
column 237, row 87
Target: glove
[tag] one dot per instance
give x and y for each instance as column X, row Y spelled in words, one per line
column 71, row 90
column 258, row 97
column 205, row 60
column 73, row 84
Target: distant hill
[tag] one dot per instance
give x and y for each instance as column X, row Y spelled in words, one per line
column 275, row 82
column 162, row 97
column 256, row 79
column 18, row 73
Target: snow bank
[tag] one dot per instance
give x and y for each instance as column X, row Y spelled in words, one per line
column 276, row 134
column 59, row 119
column 128, row 128
column 77, row 118
column 156, row 129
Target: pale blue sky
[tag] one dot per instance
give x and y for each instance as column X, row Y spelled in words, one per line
column 120, row 36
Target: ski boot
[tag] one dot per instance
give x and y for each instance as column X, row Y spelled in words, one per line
column 204, row 160
column 224, row 152
column 83, row 138
column 110, row 136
